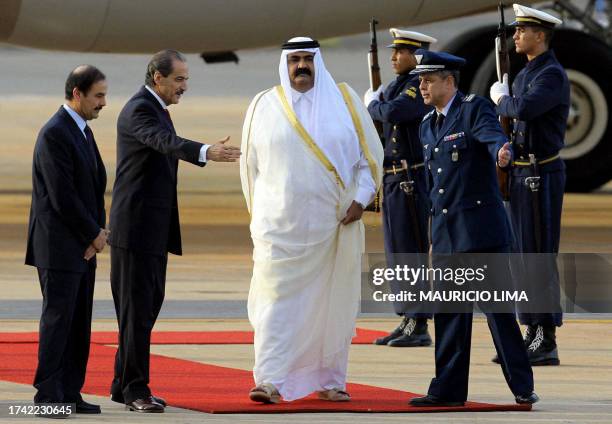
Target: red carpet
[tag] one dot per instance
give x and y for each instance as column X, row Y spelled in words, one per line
column 209, row 388
column 182, row 337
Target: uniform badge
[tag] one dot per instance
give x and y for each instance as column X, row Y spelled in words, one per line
column 455, row 136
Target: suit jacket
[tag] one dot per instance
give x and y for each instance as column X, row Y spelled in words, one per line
column 67, row 210
column 144, row 213
column 467, row 212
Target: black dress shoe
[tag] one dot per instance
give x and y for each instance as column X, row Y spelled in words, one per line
column 119, row 399
column 382, row 341
column 147, row 405
column 83, row 407
column 159, row 400
column 430, row 400
column 531, row 398
column 414, row 334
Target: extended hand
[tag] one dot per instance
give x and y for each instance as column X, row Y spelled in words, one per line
column 220, row 152
column 504, row 155
column 499, row 89
column 353, row 213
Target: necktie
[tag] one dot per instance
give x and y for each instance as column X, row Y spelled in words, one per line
column 439, row 123
column 91, row 150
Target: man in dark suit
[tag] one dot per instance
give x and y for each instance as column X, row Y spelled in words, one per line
column 144, row 218
column 66, row 230
column 462, row 139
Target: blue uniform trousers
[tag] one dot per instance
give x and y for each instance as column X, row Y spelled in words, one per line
column 453, row 344
column 399, row 234
column 551, row 189
column 454, row 339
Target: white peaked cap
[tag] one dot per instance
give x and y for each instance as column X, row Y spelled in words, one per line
column 412, row 39
column 530, row 16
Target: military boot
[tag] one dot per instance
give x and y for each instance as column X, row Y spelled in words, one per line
column 543, row 348
column 414, row 334
column 382, row 341
column 530, row 332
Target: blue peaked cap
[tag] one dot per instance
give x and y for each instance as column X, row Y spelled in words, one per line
column 428, row 61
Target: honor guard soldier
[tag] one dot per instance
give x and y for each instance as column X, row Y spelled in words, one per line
column 462, row 139
column 405, row 205
column 539, row 106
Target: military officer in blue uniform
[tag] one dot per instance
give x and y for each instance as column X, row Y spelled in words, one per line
column 539, row 106
column 462, row 139
column 405, row 206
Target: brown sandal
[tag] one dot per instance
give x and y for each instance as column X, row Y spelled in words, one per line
column 334, row 395
column 264, row 393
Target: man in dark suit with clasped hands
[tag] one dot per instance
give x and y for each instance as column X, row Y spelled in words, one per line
column 144, row 218
column 66, row 230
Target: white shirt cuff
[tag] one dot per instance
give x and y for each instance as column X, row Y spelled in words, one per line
column 203, row 152
column 364, row 196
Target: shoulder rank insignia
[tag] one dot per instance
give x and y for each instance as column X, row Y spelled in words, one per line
column 455, row 136
column 426, row 117
column 411, row 92
column 469, row 98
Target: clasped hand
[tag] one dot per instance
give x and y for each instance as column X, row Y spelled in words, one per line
column 97, row 245
column 353, row 213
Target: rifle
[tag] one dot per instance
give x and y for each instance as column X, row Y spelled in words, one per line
column 502, row 61
column 375, row 82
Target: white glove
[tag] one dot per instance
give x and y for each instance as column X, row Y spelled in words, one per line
column 499, row 89
column 370, row 96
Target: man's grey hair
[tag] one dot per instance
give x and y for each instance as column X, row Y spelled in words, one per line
column 162, row 62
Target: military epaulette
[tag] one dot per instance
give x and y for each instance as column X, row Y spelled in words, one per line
column 469, row 98
column 426, row 117
column 411, row 91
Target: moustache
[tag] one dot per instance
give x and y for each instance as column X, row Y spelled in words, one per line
column 303, row 71
column 180, row 92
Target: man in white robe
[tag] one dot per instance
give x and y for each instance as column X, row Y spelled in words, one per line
column 311, row 162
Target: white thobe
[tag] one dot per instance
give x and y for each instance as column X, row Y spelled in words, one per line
column 304, row 294
column 366, row 188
